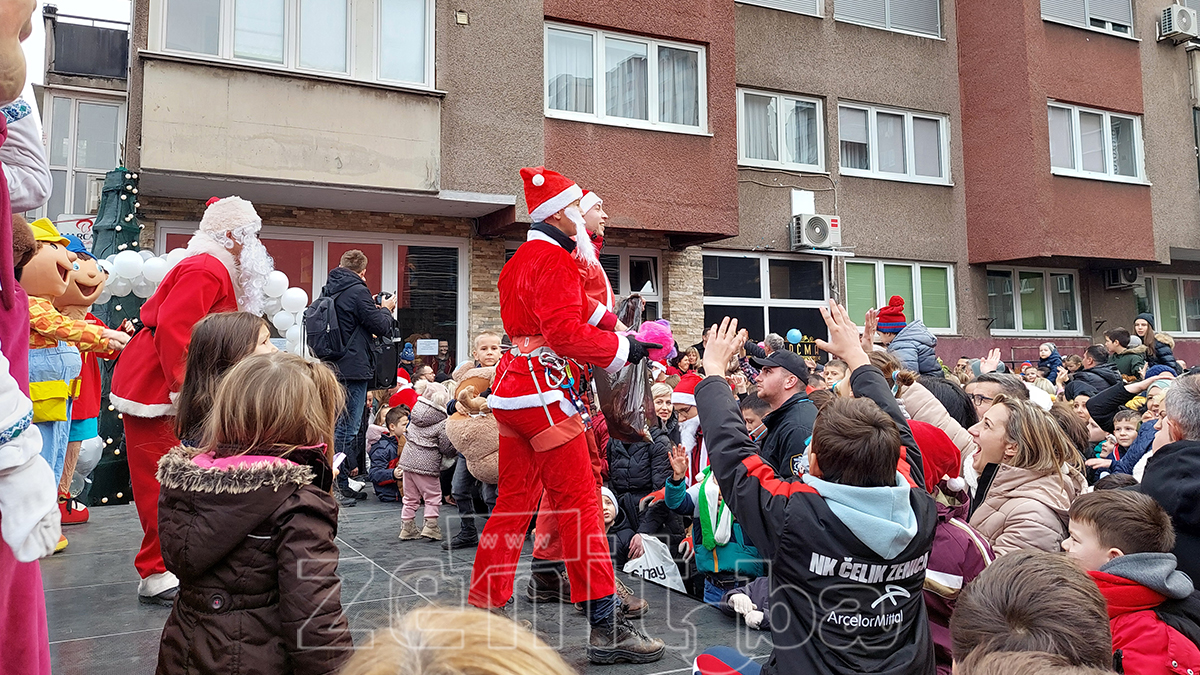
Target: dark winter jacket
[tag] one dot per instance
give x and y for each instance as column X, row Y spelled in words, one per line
column 1100, row 377
column 1134, row 586
column 358, row 319
column 1129, row 362
column 1051, row 364
column 1172, row 477
column 385, row 454
column 788, row 428
column 252, row 542
column 959, row 555
column 426, row 442
column 620, row 533
column 839, row 571
column 639, row 468
column 1160, row 351
column 913, row 346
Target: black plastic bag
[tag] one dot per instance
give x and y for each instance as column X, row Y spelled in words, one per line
column 625, row 395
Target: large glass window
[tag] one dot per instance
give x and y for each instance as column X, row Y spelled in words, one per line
column 893, row 144
column 926, row 289
column 1033, row 301
column 1174, row 301
column 766, row 293
column 194, row 26
column 404, row 52
column 85, row 143
column 634, row 271
column 614, row 78
column 778, row 131
column 1088, row 143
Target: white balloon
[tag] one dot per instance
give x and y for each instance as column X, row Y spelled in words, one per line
column 293, row 334
column 277, row 283
column 175, row 256
column 283, row 320
column 294, row 300
column 119, row 287
column 146, row 255
column 111, row 257
column 128, row 264
column 271, row 306
column 144, row 289
column 104, row 297
column 155, row 269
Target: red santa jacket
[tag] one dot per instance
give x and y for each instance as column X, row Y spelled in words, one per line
column 1147, row 644
column 150, row 370
column 87, row 401
column 596, row 287
column 542, row 297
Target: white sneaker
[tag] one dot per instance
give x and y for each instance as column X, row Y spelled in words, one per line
column 156, row 584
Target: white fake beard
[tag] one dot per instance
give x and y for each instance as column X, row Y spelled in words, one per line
column 584, row 249
column 254, row 265
column 687, row 434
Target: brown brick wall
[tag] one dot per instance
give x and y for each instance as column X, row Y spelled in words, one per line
column 683, row 305
column 483, row 312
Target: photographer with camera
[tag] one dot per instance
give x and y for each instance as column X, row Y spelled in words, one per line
column 359, row 317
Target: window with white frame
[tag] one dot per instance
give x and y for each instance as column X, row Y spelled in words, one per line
column 893, row 144
column 305, row 35
column 922, row 17
column 1112, row 16
column 629, row 270
column 927, row 289
column 1037, row 301
column 428, row 274
column 614, row 78
column 766, row 293
column 779, row 131
column 85, row 138
column 809, row 7
column 1173, row 300
column 1087, row 143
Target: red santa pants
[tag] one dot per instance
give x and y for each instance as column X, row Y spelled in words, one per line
column 565, row 473
column 24, row 635
column 547, row 542
column 147, row 439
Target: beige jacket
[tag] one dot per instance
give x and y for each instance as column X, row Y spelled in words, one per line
column 1026, row 509
column 923, row 406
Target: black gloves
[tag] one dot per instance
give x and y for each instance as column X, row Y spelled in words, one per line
column 640, row 350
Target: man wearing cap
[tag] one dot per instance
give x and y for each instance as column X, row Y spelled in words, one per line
column 782, row 382
column 542, row 445
column 225, row 269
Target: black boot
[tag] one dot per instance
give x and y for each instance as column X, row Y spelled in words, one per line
column 548, row 585
column 466, row 538
column 619, row 641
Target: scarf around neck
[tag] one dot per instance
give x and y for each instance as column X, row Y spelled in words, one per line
column 716, row 522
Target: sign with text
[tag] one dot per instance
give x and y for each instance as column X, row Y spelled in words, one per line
column 427, row 347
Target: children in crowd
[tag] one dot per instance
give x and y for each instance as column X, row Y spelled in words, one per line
column 1029, row 474
column 849, row 543
column 1123, row 539
column 1073, row 363
column 1105, row 406
column 816, row 383
column 1049, row 360
column 754, row 409
column 472, row 430
column 1033, row 601
column 1115, row 447
column 421, row 463
column 385, row 474
column 1128, row 361
column 911, row 342
column 248, row 526
column 835, row 371
column 219, row 341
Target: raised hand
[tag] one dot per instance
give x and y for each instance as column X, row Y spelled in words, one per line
column 679, row 463
column 720, row 345
column 870, row 323
column 844, row 340
column 991, row 362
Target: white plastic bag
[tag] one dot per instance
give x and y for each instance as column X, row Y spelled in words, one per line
column 656, row 565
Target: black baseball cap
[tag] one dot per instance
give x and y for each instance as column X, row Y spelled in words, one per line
column 789, row 361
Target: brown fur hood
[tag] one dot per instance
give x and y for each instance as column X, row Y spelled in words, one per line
column 177, row 470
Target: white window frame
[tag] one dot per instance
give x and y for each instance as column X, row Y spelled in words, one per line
column 918, row 301
column 910, row 175
column 887, row 22
column 765, row 301
column 623, row 288
column 69, row 207
column 780, row 127
column 388, row 267
column 291, row 49
column 1153, row 297
column 1046, row 272
column 599, row 88
column 1106, row 128
column 1107, row 28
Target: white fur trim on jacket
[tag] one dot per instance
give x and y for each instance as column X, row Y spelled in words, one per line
column 527, row 401
column 597, row 315
column 534, row 235
column 145, row 410
column 622, row 356
column 202, row 243
column 556, row 203
column 682, row 398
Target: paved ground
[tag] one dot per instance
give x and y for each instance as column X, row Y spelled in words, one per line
column 97, row 626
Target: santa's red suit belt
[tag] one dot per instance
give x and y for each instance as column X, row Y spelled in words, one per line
column 552, row 380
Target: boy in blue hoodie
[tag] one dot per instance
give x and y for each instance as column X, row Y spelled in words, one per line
column 849, row 543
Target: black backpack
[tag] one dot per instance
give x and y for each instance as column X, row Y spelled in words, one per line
column 321, row 329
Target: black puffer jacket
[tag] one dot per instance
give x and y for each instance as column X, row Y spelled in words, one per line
column 788, row 427
column 1161, row 352
column 1100, row 377
column 640, row 468
column 358, row 319
column 252, row 542
column 1172, row 477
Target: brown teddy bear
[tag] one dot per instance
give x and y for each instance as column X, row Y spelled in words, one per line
column 472, row 428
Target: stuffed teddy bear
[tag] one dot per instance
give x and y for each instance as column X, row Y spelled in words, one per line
column 472, row 428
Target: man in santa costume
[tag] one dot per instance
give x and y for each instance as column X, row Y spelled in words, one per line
column 225, row 269
column 542, row 435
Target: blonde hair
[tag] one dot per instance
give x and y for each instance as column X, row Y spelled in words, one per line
column 660, row 389
column 1042, row 445
column 437, row 394
column 487, row 333
column 271, row 404
column 445, row 641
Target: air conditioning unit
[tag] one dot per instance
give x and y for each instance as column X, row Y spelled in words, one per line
column 95, row 188
column 1178, row 23
column 809, row 230
column 1121, row 277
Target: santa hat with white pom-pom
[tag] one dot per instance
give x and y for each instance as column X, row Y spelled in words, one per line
column 548, row 192
column 939, row 455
